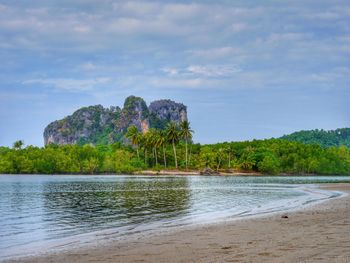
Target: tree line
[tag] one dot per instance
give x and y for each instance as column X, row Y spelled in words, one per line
column 155, row 139
column 173, row 148
column 324, row 138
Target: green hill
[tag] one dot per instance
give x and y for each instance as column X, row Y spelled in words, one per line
column 324, row 138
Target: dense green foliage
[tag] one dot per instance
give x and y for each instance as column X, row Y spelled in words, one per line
column 324, row 138
column 173, row 147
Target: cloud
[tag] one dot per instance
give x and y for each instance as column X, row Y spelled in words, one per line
column 216, row 53
column 328, row 15
column 213, row 70
column 106, row 24
column 71, row 85
column 103, row 50
column 208, row 71
column 180, row 83
column 332, row 76
column 204, row 40
column 82, row 29
column 136, row 8
column 88, row 66
column 276, row 38
column 239, row 27
column 170, row 71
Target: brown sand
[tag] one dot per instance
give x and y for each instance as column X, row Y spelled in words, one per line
column 318, row 233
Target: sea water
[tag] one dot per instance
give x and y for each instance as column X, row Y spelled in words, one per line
column 43, row 212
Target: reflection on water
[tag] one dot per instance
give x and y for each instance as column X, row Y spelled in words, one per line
column 74, row 207
column 37, row 209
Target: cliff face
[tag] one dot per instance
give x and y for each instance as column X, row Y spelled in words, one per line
column 99, row 125
column 84, row 125
column 168, row 110
column 135, row 112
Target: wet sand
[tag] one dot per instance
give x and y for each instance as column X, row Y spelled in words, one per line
column 316, row 233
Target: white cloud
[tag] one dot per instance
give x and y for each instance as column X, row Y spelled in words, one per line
column 82, row 29
column 183, row 11
column 332, row 76
column 73, row 85
column 136, row 8
column 170, row 71
column 214, row 70
column 88, row 66
column 180, row 83
column 287, row 37
column 216, row 53
column 207, row 71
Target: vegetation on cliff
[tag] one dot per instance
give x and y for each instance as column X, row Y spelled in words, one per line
column 99, row 125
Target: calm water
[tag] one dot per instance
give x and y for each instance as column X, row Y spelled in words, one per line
column 53, row 211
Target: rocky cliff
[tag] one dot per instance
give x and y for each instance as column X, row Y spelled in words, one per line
column 99, row 125
column 135, row 112
column 163, row 111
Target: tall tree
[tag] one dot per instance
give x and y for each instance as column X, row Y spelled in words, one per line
column 186, row 134
column 161, row 142
column 230, row 152
column 219, row 155
column 172, row 132
column 152, row 136
column 146, row 145
column 18, row 144
column 134, row 136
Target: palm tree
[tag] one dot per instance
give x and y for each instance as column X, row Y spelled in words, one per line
column 143, row 144
column 186, row 134
column 18, row 144
column 153, row 135
column 134, row 136
column 230, row 152
column 172, row 133
column 219, row 156
column 161, row 142
column 148, row 144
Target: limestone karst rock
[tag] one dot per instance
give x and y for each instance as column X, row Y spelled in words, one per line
column 99, row 125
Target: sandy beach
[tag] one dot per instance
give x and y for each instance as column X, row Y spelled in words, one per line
column 316, row 233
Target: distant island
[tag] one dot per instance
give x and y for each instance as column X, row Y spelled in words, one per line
column 98, row 125
column 157, row 139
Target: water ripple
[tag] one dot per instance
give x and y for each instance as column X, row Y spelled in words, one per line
column 35, row 209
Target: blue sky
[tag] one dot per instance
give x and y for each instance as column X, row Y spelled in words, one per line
column 245, row 69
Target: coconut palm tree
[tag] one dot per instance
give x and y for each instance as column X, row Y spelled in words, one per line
column 152, row 136
column 148, row 144
column 18, row 144
column 172, row 133
column 186, row 134
column 230, row 153
column 134, row 136
column 162, row 141
column 219, row 155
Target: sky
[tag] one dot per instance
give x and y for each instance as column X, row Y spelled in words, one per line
column 245, row 69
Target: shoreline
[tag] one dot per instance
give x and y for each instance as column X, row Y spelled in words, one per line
column 184, row 173
column 194, row 172
column 233, row 240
